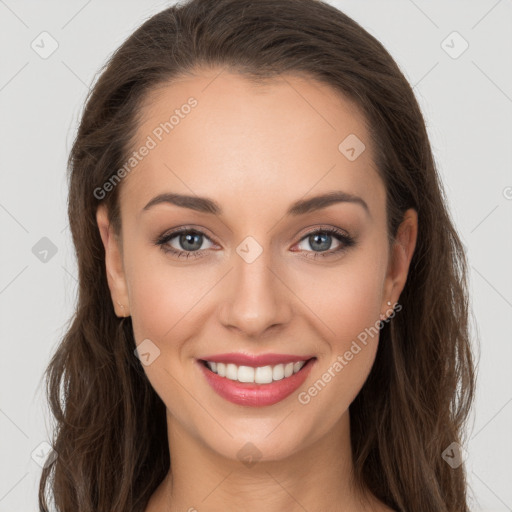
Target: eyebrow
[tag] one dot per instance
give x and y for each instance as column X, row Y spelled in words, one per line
column 300, row 207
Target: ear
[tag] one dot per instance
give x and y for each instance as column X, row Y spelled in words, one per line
column 400, row 259
column 113, row 263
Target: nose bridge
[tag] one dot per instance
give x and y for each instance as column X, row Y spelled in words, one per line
column 256, row 298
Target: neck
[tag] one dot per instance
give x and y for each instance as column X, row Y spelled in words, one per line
column 318, row 477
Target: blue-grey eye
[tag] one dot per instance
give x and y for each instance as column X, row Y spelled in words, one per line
column 191, row 241
column 187, row 241
column 319, row 241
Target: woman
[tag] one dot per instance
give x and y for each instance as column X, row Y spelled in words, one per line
column 273, row 309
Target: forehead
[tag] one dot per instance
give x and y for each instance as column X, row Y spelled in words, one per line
column 221, row 135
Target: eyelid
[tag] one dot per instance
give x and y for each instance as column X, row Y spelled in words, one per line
column 309, row 230
column 184, row 229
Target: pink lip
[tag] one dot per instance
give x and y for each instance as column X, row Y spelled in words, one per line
column 252, row 394
column 255, row 360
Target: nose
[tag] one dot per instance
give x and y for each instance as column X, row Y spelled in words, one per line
column 255, row 298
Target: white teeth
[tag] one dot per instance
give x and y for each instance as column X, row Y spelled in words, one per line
column 278, row 372
column 232, row 371
column 221, row 369
column 245, row 374
column 259, row 375
column 263, row 375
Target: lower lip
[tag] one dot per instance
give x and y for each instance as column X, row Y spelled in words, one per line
column 252, row 394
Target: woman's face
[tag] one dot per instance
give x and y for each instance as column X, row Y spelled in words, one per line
column 254, row 278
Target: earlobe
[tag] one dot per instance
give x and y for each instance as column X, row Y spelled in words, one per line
column 401, row 256
column 113, row 263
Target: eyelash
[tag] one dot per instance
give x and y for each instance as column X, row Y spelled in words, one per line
column 346, row 240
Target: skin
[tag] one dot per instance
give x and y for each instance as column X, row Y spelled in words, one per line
column 255, row 149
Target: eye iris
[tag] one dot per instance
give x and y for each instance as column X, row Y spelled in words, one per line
column 324, row 244
column 189, row 238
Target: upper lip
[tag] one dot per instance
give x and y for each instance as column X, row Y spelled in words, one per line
column 255, row 360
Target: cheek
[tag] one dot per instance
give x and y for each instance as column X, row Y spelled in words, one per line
column 163, row 302
column 359, row 306
column 163, row 295
column 345, row 300
column 350, row 352
column 346, row 303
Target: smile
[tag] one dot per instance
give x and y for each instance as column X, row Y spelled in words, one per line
column 253, row 385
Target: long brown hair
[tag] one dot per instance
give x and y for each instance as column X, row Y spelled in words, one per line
column 110, row 426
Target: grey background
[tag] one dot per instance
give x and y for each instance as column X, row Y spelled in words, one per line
column 467, row 102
